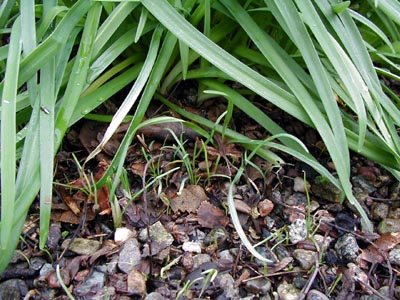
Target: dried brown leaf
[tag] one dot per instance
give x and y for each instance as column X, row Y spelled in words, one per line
column 189, row 200
column 211, row 216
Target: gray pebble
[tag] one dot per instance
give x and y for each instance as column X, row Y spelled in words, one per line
column 379, row 211
column 154, row 296
column 93, row 284
column 200, row 259
column 389, row 225
column 81, row 246
column 347, row 248
column 129, row 256
column 361, row 182
column 316, row 295
column 288, row 291
column 227, row 283
column 13, row 289
column 158, row 234
column 258, row 286
column 298, row 231
column 394, row 256
column 305, row 258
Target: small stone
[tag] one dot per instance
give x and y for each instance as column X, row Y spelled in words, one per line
column 298, row 281
column 122, row 234
column 191, row 247
column 154, row 296
column 54, row 237
column 158, row 234
column 36, row 263
column 299, row 185
column 389, row 225
column 136, row 283
column 347, row 248
column 258, row 286
column 316, row 295
column 200, row 259
column 327, row 191
column 129, row 256
column 45, row 270
column 266, row 253
column 54, row 283
column 379, row 211
column 394, row 256
column 227, row 283
column 298, row 231
column 93, row 285
column 394, row 213
column 82, row 246
column 305, row 258
column 394, row 191
column 361, row 182
column 265, row 207
column 226, row 255
column 113, row 264
column 13, row 289
column 287, row 291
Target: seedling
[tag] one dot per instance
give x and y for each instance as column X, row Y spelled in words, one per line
column 209, row 276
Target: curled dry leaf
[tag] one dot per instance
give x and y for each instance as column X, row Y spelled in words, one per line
column 242, row 207
column 102, row 194
column 211, row 216
column 189, row 199
column 376, row 252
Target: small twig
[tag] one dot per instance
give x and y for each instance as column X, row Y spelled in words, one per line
column 374, row 291
column 307, row 287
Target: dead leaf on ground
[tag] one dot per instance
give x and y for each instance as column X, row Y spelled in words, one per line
column 70, row 218
column 376, row 253
column 189, row 200
column 102, row 194
column 211, row 216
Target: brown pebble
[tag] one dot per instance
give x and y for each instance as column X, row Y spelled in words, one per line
column 53, row 281
column 136, row 283
column 265, row 207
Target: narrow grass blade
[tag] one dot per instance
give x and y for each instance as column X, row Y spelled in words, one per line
column 48, row 18
column 153, row 81
column 110, row 54
column 142, row 22
column 29, row 43
column 92, row 100
column 46, row 144
column 52, row 45
column 391, row 8
column 112, row 23
column 379, row 32
column 298, row 33
column 133, row 94
column 378, row 104
column 79, row 73
column 174, row 22
column 5, row 10
column 236, row 222
column 8, row 139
